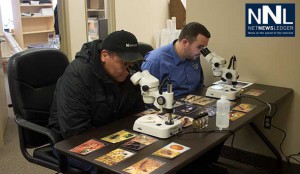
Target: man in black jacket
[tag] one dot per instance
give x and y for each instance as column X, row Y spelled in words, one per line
column 95, row 88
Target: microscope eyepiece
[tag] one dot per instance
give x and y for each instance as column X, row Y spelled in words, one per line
column 205, row 51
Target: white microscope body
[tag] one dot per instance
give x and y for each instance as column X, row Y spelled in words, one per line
column 154, row 124
column 228, row 75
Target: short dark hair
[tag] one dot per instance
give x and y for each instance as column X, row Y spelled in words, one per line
column 191, row 30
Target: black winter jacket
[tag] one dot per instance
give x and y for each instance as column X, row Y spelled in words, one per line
column 86, row 97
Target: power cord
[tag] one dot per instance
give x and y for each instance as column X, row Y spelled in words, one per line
column 289, row 157
column 292, row 157
column 280, row 146
column 269, row 116
column 268, row 124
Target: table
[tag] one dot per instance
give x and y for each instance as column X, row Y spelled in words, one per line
column 199, row 143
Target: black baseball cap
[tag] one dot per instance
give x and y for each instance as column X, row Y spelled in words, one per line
column 124, row 44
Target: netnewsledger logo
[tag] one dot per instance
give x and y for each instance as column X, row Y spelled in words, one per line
column 270, row 20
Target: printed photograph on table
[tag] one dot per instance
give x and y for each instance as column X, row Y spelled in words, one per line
column 186, row 121
column 204, row 101
column 191, row 98
column 234, row 115
column 139, row 142
column 186, row 109
column 171, row 150
column 119, row 136
column 114, row 156
column 244, row 107
column 88, row 147
column 177, row 104
column 174, row 116
column 255, row 92
column 145, row 166
column 148, row 111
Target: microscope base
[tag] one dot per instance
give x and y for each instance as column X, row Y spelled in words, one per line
column 154, row 125
column 216, row 91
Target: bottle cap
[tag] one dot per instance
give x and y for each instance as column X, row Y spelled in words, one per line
column 223, row 97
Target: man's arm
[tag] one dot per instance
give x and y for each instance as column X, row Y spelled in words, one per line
column 73, row 104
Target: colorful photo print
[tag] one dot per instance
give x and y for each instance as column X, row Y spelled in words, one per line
column 145, row 166
column 191, row 98
column 174, row 116
column 234, row 115
column 204, row 101
column 177, row 104
column 171, row 150
column 255, row 92
column 139, row 142
column 186, row 121
column 186, row 109
column 244, row 107
column 119, row 136
column 114, row 157
column 198, row 100
column 147, row 112
column 88, row 147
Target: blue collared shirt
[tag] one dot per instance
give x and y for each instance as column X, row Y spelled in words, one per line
column 186, row 75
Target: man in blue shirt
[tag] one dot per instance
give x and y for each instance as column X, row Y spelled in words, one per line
column 180, row 60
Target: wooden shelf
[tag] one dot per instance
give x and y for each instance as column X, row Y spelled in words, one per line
column 37, row 32
column 31, row 29
column 97, row 27
column 29, row 17
column 102, row 10
column 40, row 5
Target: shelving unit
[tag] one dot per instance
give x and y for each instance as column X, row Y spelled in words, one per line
column 32, row 26
column 96, row 17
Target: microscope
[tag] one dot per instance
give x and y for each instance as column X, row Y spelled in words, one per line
column 154, row 124
column 228, row 75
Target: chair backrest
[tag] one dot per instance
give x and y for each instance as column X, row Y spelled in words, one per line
column 144, row 48
column 32, row 76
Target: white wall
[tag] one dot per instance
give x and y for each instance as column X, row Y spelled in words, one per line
column 266, row 60
column 142, row 17
column 73, row 26
column 3, row 102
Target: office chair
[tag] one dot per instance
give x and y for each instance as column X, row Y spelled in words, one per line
column 144, row 48
column 32, row 76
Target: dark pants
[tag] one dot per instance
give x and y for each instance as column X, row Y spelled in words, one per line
column 204, row 163
column 80, row 164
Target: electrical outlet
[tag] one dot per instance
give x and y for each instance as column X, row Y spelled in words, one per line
column 267, row 122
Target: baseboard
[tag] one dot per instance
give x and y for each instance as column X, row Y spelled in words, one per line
column 260, row 161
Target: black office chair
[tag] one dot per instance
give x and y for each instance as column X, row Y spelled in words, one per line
column 144, row 48
column 32, row 76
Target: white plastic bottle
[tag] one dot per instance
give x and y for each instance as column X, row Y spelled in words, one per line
column 222, row 115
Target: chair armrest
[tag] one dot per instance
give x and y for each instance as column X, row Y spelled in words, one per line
column 54, row 138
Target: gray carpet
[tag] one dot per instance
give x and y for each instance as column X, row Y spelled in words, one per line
column 11, row 158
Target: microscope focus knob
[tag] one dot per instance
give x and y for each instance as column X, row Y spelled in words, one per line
column 228, row 75
column 145, row 88
column 161, row 100
column 217, row 64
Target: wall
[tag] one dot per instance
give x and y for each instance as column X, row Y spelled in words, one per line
column 3, row 102
column 142, row 17
column 3, row 107
column 72, row 26
column 266, row 60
